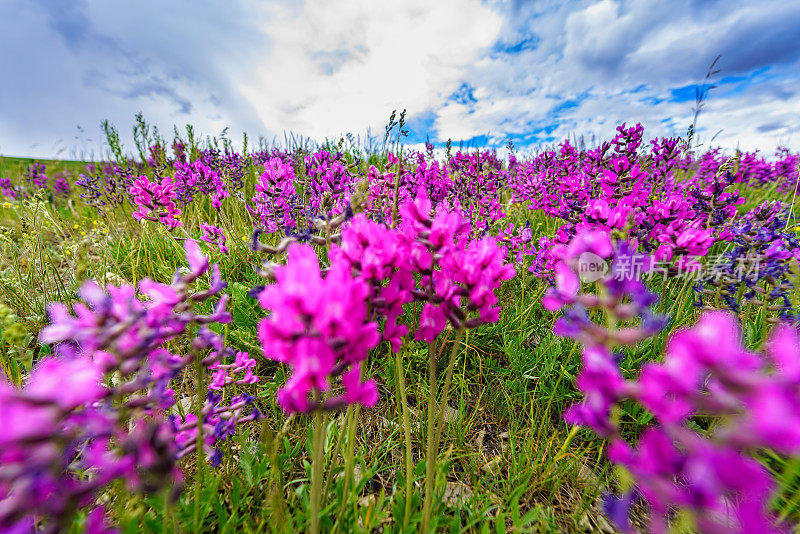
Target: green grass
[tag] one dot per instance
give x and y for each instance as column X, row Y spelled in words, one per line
column 505, row 452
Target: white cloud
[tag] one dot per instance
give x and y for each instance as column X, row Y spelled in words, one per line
column 336, row 68
column 321, row 69
column 617, row 62
column 763, row 123
column 79, row 63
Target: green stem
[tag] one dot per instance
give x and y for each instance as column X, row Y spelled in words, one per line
column 563, row 450
column 336, row 448
column 446, row 389
column 396, row 195
column 278, row 507
column 318, row 455
column 430, row 453
column 169, row 511
column 765, row 302
column 791, row 501
column 348, row 462
column 401, row 395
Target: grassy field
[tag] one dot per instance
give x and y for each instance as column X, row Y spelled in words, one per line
column 508, row 463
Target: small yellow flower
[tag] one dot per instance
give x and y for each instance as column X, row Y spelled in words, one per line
column 94, row 222
column 76, row 226
column 105, row 230
column 83, row 233
column 6, row 204
column 68, row 252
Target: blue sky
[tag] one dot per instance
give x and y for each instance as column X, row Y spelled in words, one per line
column 482, row 72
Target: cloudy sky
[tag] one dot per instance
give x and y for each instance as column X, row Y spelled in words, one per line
column 479, row 71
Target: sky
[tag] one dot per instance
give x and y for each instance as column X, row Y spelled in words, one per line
column 479, row 72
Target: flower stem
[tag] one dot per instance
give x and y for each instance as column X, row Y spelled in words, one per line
column 401, row 390
column 430, row 453
column 446, row 388
column 337, row 448
column 563, row 450
column 274, row 444
column 396, row 197
column 348, row 460
column 169, row 513
column 318, row 455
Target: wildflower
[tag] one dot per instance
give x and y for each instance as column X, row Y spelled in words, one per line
column 69, row 419
column 318, row 326
column 274, row 192
column 197, row 177
column 705, row 370
column 152, row 198
column 214, row 235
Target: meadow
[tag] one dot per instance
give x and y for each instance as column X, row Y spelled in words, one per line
column 335, row 338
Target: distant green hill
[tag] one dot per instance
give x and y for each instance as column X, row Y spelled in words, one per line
column 13, row 166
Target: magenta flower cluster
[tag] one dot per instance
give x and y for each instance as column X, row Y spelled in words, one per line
column 36, row 176
column 61, row 185
column 155, row 201
column 99, row 405
column 320, row 327
column 196, row 178
column 328, row 183
column 615, row 188
column 214, row 235
column 275, row 191
column 324, row 326
column 364, row 242
column 706, row 372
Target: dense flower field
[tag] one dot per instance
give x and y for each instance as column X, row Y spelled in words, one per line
column 325, row 339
